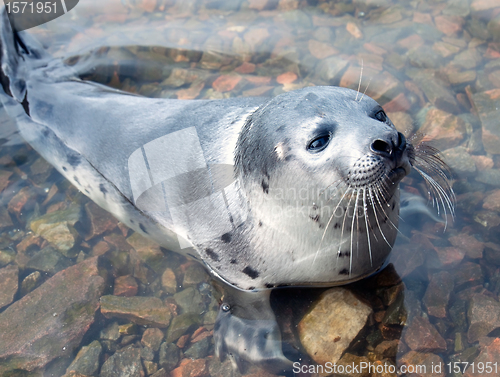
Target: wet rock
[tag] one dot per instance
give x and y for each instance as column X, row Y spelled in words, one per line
column 4, row 179
column 169, row 281
column 128, row 329
column 124, row 363
column 486, row 105
column 148, row 251
column 6, row 257
column 396, row 312
column 152, row 338
column 330, row 69
column 438, row 293
column 483, row 315
column 86, row 361
column 226, row 83
column 421, row 335
column 489, row 176
column 333, row 322
column 489, row 355
column 160, row 373
column 150, row 367
column 492, row 201
column 9, row 282
column 468, row 273
column 18, row 201
column 473, row 248
column 100, row 220
column 147, row 354
column 450, row 257
column 110, row 332
column 494, row 28
column 147, row 311
column 48, row 260
column 168, row 356
column 190, row 300
column 180, row 325
column 387, row 349
column 444, row 129
column 422, row 364
column 320, row 50
column 57, row 228
column 5, row 220
column 460, row 161
column 194, row 275
column 198, row 350
column 64, row 309
column 125, row 286
column 191, row 368
column 437, row 92
column 31, row 282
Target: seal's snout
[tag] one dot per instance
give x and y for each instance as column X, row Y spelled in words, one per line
column 386, row 148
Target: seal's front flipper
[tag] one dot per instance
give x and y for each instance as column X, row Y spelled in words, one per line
column 246, row 331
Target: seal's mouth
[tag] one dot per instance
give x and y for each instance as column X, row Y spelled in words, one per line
column 396, row 175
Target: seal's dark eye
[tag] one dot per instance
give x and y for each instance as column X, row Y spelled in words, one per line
column 380, row 115
column 318, row 144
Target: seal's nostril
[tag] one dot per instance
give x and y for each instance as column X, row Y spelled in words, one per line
column 381, row 147
column 401, row 141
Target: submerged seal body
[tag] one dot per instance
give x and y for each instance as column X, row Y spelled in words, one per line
column 297, row 190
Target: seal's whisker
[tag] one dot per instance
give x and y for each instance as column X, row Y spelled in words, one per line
column 366, row 89
column 354, row 217
column 365, row 210
column 328, row 224
column 342, row 232
column 360, row 78
column 385, row 213
column 441, row 196
column 376, row 217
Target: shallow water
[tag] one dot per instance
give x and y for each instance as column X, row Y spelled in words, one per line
column 434, row 67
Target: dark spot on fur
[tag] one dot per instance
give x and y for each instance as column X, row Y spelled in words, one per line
column 289, row 157
column 344, row 254
column 314, row 218
column 280, row 128
column 65, row 168
column 212, row 254
column 103, row 189
column 76, row 179
column 25, row 104
column 233, row 261
column 226, row 238
column 265, row 186
column 87, row 191
column 45, row 132
column 393, row 205
column 260, row 223
column 251, row 288
column 268, row 285
column 143, row 228
column 131, row 221
column 345, row 271
column 74, row 160
column 336, row 226
column 250, row 272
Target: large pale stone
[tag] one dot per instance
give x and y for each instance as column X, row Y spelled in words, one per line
column 331, row 325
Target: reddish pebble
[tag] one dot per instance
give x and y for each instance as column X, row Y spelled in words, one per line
column 125, row 286
column 226, row 83
column 191, row 368
column 286, row 78
column 245, row 68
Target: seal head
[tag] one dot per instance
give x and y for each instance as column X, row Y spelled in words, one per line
column 320, row 169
